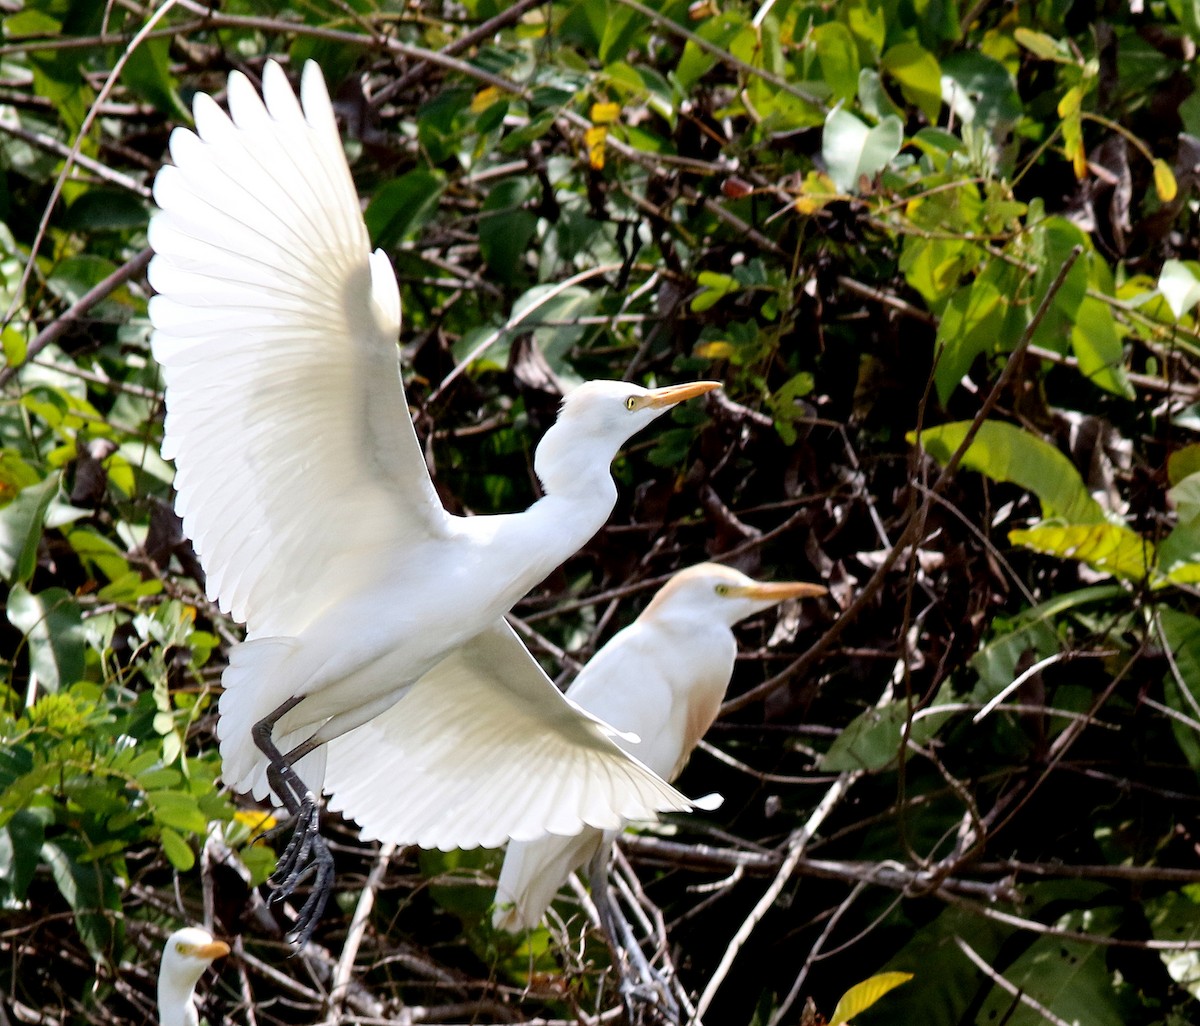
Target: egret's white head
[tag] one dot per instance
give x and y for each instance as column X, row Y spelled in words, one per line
column 187, row 953
column 596, row 419
column 711, row 592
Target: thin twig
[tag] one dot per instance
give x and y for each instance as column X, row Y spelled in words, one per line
column 72, row 314
column 340, row 985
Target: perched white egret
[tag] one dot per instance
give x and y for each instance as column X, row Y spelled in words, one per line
column 662, row 679
column 302, row 485
column 187, row 953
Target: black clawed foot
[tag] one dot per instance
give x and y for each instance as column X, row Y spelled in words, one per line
column 306, row 855
column 314, row 907
column 297, row 855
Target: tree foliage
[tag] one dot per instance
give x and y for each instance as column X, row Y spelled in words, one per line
column 944, row 258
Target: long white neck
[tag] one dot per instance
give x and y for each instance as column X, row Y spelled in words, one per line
column 176, row 1002
column 579, row 496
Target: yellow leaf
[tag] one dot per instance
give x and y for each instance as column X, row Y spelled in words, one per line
column 1164, row 181
column 1038, row 43
column 815, row 192
column 594, row 140
column 257, row 822
column 483, row 99
column 1071, row 103
column 1110, row 548
column 863, row 995
column 1079, row 162
column 714, row 350
column 605, row 113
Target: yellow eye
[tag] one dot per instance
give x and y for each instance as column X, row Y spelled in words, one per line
column 631, row 402
column 722, row 589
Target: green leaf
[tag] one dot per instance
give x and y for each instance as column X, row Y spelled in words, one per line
column 21, row 529
column 1183, row 463
column 973, row 324
column 981, row 92
column 31, row 24
column 101, row 209
column 505, row 229
column 148, row 73
column 714, row 287
column 20, row 841
column 853, row 151
column 621, row 26
column 1040, row 44
column 1005, row 452
column 934, row 267
column 784, row 408
column 863, row 995
column 52, row 624
column 179, row 853
column 872, row 740
column 1054, row 239
column 177, row 809
column 1097, row 345
column 1182, row 634
column 88, row 888
column 867, row 20
column 58, row 77
column 453, row 880
column 1110, row 548
column 403, row 206
column 1069, row 977
column 920, row 78
column 1175, row 917
column 98, row 553
column 838, row 54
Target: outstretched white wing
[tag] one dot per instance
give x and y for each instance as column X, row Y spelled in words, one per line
column 275, row 325
column 482, row 748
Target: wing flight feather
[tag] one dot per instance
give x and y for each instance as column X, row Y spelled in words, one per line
column 450, row 765
column 276, row 329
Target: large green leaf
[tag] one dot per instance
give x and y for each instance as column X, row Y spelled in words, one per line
column 148, row 73
column 20, row 842
column 89, row 889
column 399, row 209
column 977, row 320
column 920, row 78
column 52, row 624
column 839, row 58
column 21, row 529
column 1067, row 976
column 1005, row 452
column 1096, row 343
column 872, row 740
column 947, row 981
column 1175, row 917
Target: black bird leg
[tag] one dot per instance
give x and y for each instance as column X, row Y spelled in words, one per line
column 306, row 853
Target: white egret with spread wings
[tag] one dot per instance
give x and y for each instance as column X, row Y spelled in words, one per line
column 303, row 487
